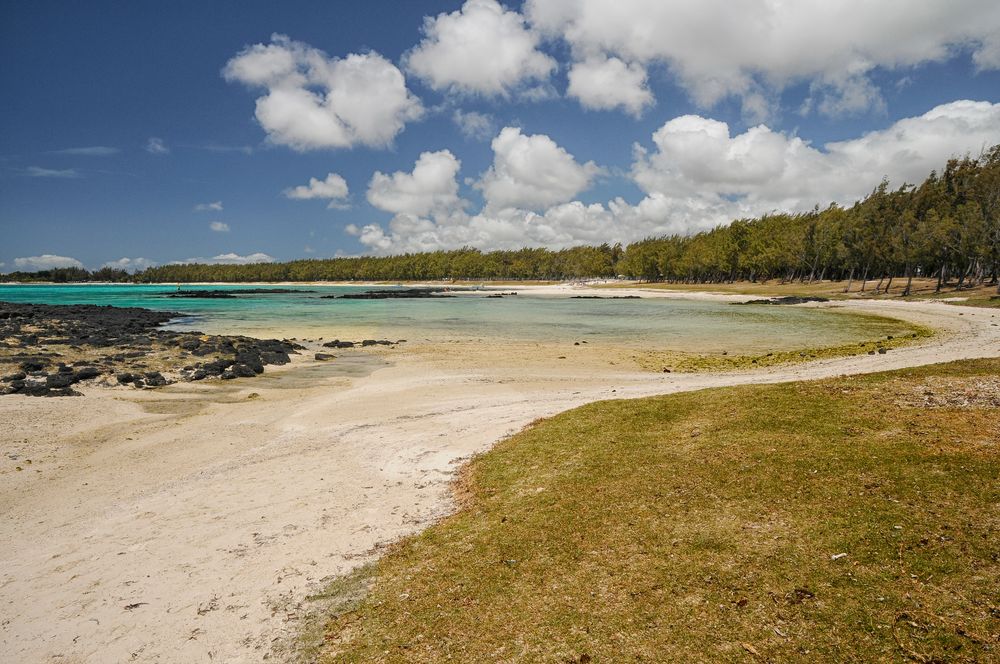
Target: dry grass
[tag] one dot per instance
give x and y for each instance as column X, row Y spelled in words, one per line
column 819, row 521
column 921, row 289
column 697, row 362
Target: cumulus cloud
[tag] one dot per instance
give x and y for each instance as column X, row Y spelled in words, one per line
column 45, row 262
column 604, row 83
column 229, row 259
column 312, row 101
column 474, row 125
column 130, row 264
column 762, row 169
column 699, row 175
column 219, row 227
column 532, row 172
column 754, row 50
column 333, row 189
column 39, row 172
column 481, row 48
column 214, row 206
column 430, row 188
column 157, row 146
column 89, row 151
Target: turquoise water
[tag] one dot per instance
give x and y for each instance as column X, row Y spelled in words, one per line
column 652, row 323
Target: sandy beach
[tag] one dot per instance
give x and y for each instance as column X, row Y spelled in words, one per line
column 188, row 524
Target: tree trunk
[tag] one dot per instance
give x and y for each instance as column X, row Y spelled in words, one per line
column 850, row 280
column 888, row 285
column 864, row 280
column 878, row 289
column 909, row 280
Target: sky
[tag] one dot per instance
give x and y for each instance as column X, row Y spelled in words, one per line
column 142, row 133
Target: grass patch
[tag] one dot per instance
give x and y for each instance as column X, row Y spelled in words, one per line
column 692, row 362
column 340, row 596
column 921, row 289
column 712, row 526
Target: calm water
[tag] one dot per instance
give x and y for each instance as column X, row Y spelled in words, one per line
column 654, row 323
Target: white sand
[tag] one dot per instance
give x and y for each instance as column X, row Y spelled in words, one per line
column 217, row 514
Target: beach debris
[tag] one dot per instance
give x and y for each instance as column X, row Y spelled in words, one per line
column 838, row 556
column 131, row 607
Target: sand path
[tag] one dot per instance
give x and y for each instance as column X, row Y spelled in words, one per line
column 187, row 524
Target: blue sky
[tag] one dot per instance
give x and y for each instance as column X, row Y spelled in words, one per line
column 584, row 121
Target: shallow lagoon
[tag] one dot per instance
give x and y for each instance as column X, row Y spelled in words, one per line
column 654, row 323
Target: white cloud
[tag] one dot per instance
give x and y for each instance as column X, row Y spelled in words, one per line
column 313, row 101
column 431, row 188
column 604, row 83
column 39, row 172
column 699, row 176
column 532, row 172
column 89, row 151
column 156, row 146
column 130, row 264
column 474, row 125
column 333, row 189
column 756, row 49
column 215, row 206
column 762, row 170
column 219, row 227
column 229, row 259
column 480, row 49
column 45, row 262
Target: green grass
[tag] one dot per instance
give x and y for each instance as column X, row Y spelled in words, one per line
column 703, row 527
column 921, row 289
column 698, row 362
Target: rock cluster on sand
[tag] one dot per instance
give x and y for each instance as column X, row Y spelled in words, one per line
column 787, row 299
column 337, row 343
column 46, row 349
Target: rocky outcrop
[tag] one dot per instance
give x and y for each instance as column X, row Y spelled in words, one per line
column 120, row 345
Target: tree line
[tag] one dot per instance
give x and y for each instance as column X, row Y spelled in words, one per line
column 946, row 227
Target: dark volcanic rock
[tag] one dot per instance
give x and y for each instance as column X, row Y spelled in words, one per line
column 86, row 373
column 325, row 356
column 787, row 299
column 242, row 371
column 227, row 294
column 397, row 293
column 59, row 380
column 337, row 343
column 155, row 379
column 135, row 341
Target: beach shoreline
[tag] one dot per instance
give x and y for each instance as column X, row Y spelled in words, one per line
column 213, row 510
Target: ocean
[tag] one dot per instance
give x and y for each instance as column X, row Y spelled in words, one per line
column 652, row 323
